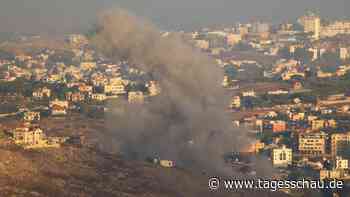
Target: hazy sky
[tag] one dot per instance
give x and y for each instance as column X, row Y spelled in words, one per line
column 73, row 15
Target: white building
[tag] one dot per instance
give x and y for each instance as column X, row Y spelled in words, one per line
column 250, row 93
column 343, row 53
column 98, row 97
column 311, row 24
column 282, row 157
column 341, row 163
column 153, row 88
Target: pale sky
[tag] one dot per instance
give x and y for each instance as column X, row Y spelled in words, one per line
column 58, row 16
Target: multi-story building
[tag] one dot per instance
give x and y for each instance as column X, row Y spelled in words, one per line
column 28, row 136
column 41, row 93
column 136, row 97
column 98, row 97
column 282, row 157
column 339, row 141
column 153, row 88
column 312, row 143
column 317, row 124
column 260, row 27
column 75, row 96
column 311, row 24
column 115, row 87
column 278, row 126
column 335, row 28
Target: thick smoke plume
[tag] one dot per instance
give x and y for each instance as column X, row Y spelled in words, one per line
column 187, row 122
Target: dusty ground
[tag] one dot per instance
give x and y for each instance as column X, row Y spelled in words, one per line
column 73, row 171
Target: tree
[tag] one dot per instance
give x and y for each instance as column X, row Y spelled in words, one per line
column 330, row 61
column 6, row 55
column 231, row 71
column 302, row 55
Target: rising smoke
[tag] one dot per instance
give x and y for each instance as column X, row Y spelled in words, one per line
column 187, row 122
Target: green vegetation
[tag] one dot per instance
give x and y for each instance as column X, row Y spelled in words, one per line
column 329, row 61
column 303, row 55
column 327, row 87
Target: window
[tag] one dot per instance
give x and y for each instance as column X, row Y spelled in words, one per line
column 282, row 156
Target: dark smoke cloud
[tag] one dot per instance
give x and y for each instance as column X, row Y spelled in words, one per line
column 187, row 122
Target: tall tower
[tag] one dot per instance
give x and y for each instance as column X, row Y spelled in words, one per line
column 311, row 23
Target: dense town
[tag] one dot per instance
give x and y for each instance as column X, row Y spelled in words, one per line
column 288, row 85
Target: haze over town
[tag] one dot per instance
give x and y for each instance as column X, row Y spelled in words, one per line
column 64, row 16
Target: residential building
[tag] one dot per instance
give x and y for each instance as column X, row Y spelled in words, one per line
column 312, row 143
column 226, row 82
column 136, row 97
column 41, row 93
column 77, row 39
column 260, row 27
column 317, row 124
column 335, row 28
column 153, row 88
column 332, row 174
column 28, row 136
column 343, row 53
column 250, row 93
column 57, row 110
column 75, row 96
column 311, row 24
column 235, row 102
column 58, row 107
column 233, row 39
column 98, row 97
column 341, row 163
column 278, row 126
column 115, row 87
column 57, row 102
column 202, row 44
column 87, row 65
column 31, row 116
column 86, row 89
column 339, row 142
column 254, row 147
